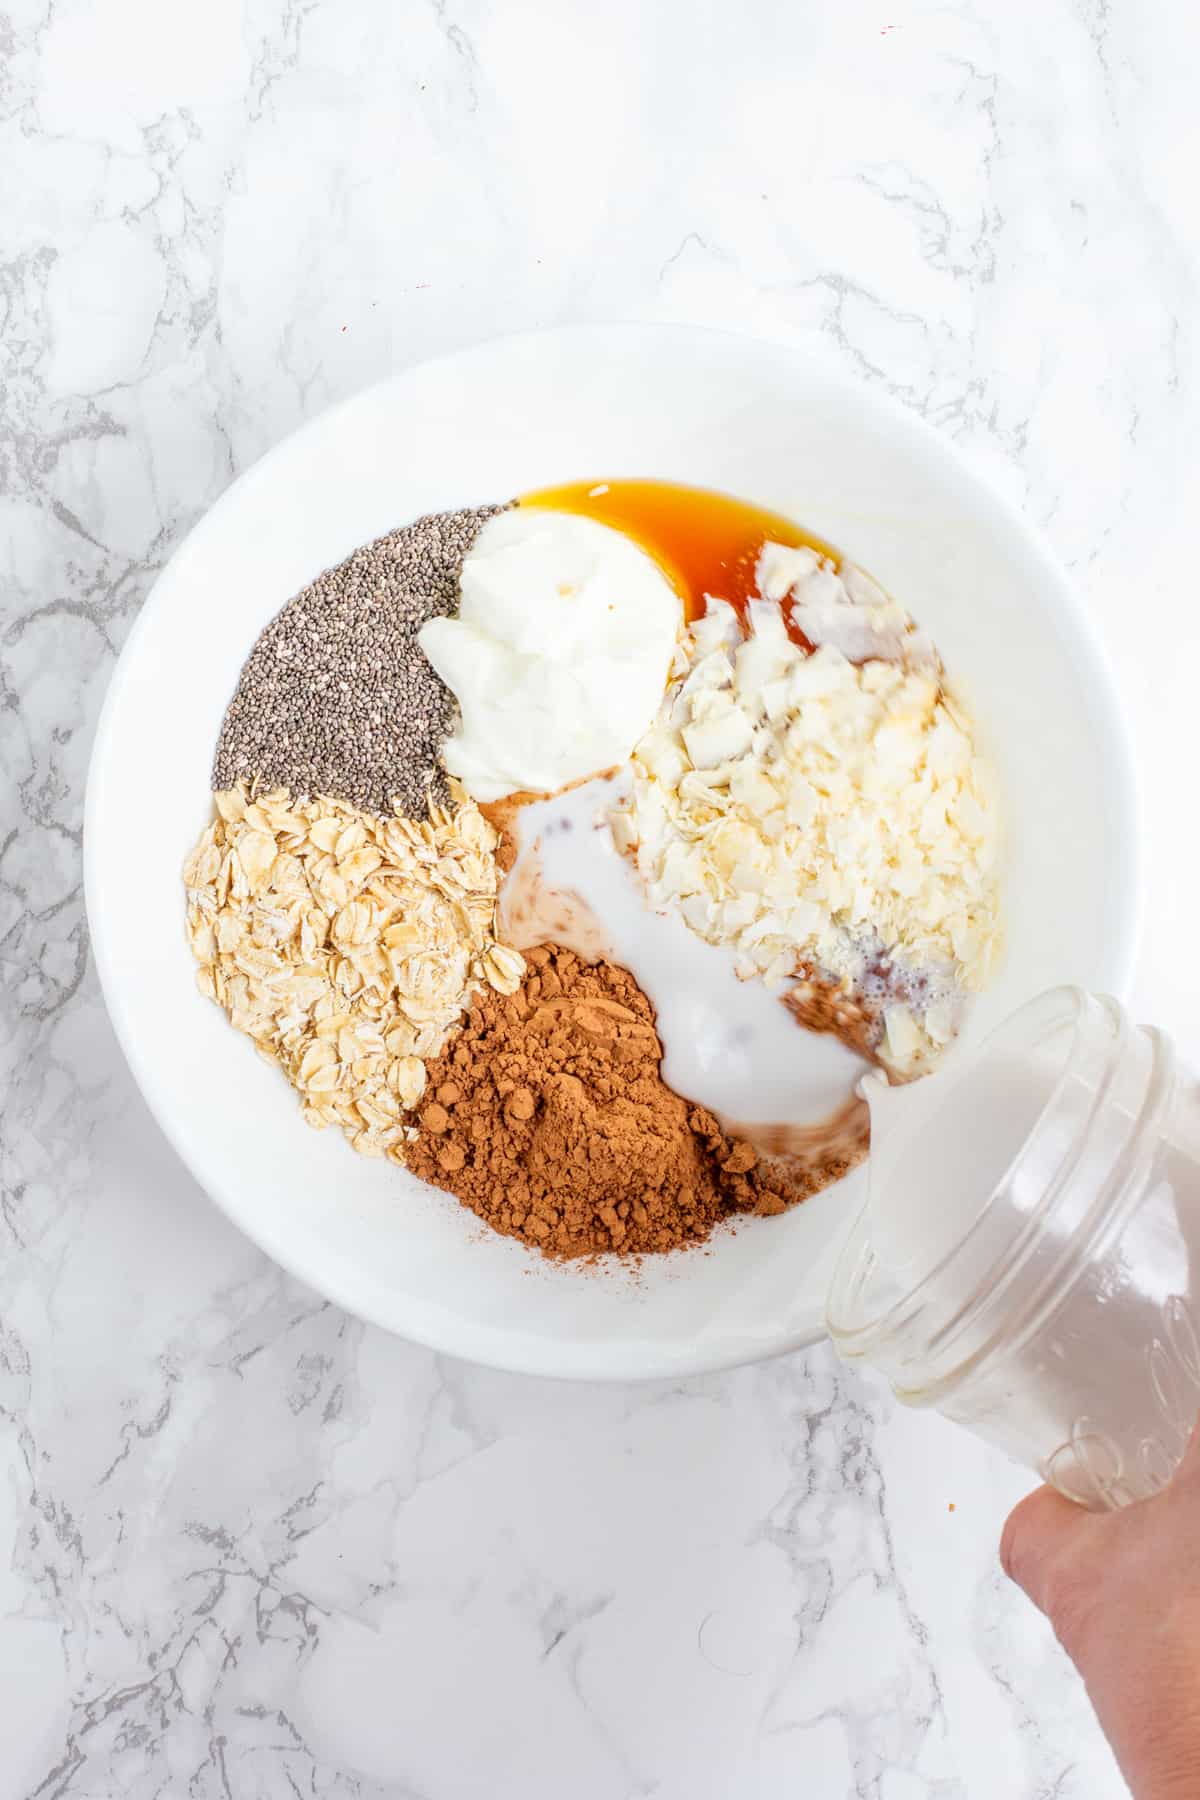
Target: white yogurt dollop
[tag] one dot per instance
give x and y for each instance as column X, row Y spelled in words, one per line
column 559, row 655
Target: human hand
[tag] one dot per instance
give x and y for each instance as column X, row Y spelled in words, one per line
column 1122, row 1591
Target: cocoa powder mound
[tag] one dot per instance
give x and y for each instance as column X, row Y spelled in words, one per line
column 548, row 1117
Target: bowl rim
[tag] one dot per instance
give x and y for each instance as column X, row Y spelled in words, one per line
column 1125, row 801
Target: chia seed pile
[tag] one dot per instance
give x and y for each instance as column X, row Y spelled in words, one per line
column 337, row 697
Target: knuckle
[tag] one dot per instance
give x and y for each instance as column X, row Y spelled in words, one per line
column 1071, row 1605
column 1012, row 1549
column 1022, row 1549
column 1072, row 1593
column 1047, row 1548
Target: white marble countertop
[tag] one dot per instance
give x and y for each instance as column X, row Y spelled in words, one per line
column 247, row 1546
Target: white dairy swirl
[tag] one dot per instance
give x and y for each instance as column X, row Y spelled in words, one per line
column 729, row 1045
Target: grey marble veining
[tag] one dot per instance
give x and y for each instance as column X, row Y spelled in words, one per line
column 249, row 1547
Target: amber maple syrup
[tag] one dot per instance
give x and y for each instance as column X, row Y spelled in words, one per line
column 705, row 542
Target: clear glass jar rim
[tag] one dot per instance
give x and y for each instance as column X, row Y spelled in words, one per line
column 927, row 1342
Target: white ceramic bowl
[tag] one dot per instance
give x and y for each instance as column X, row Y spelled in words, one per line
column 773, row 425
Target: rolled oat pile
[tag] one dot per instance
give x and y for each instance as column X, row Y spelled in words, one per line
column 346, row 945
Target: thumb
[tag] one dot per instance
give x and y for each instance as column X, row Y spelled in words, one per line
column 1036, row 1533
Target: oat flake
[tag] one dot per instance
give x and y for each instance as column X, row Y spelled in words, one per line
column 346, row 945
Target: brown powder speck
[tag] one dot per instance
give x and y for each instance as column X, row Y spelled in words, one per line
column 819, row 1004
column 564, row 1134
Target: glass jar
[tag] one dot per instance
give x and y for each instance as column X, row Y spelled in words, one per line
column 1028, row 1260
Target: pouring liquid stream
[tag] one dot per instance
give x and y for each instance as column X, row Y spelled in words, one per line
column 730, row 1045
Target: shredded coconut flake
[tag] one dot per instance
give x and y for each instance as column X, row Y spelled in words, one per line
column 820, row 812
